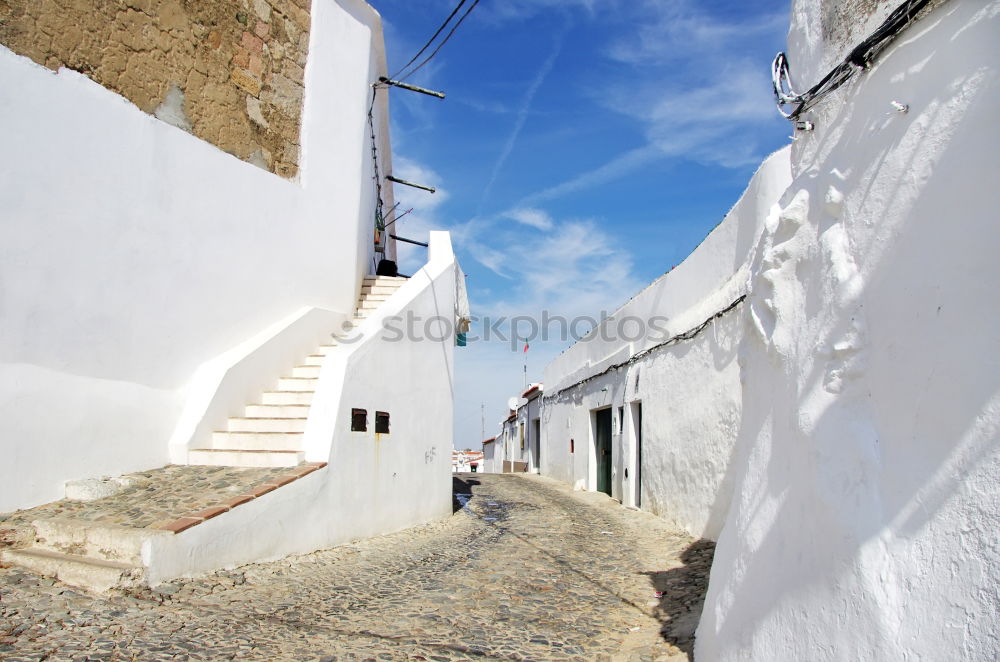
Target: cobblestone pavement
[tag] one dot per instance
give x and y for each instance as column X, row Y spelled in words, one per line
column 156, row 496
column 525, row 569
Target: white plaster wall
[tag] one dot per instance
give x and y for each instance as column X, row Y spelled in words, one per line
column 863, row 519
column 690, row 392
column 525, row 415
column 131, row 253
column 374, row 484
column 489, row 463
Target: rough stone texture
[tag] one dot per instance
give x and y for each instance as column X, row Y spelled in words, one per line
column 525, row 569
column 228, row 71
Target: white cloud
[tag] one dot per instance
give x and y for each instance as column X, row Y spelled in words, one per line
column 614, row 169
column 679, row 31
column 535, row 218
column 689, row 81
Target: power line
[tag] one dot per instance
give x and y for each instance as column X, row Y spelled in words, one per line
column 673, row 340
column 859, row 58
column 431, row 40
column 443, row 41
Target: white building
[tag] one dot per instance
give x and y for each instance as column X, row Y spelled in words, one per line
column 517, row 447
column 824, row 401
column 155, row 288
column 466, row 461
column 491, row 461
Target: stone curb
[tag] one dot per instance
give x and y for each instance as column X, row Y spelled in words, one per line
column 185, row 522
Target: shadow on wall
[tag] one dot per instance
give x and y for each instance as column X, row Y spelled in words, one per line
column 683, row 591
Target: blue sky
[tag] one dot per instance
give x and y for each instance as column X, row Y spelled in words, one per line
column 584, row 148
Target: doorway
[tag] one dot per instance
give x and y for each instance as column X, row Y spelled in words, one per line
column 536, row 435
column 636, row 412
column 602, row 449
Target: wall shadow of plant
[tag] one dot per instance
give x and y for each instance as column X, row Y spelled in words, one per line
column 683, row 590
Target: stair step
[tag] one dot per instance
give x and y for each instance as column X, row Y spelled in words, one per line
column 257, row 441
column 277, row 411
column 378, row 290
column 91, row 574
column 237, row 458
column 306, row 371
column 385, row 279
column 314, row 360
column 324, row 350
column 266, row 424
column 297, row 384
column 286, row 397
column 93, row 540
column 368, row 304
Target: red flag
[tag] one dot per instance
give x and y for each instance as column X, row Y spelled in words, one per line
column 525, row 346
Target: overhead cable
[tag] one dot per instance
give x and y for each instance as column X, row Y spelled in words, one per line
column 859, row 58
column 443, row 41
column 431, row 40
column 673, row 340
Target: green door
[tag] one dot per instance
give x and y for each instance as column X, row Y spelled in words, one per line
column 602, row 438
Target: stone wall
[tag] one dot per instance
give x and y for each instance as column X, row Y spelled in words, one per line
column 228, row 71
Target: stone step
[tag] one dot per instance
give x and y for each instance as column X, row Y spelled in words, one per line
column 378, row 290
column 369, row 304
column 314, row 360
column 297, row 384
column 324, row 350
column 90, row 574
column 237, row 458
column 277, row 411
column 266, row 424
column 92, row 540
column 384, row 279
column 306, row 371
column 257, row 441
column 286, row 397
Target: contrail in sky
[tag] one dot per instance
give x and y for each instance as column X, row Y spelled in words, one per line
column 522, row 114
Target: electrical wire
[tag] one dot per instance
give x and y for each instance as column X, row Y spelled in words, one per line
column 431, row 40
column 673, row 340
column 859, row 58
column 443, row 41
column 379, row 204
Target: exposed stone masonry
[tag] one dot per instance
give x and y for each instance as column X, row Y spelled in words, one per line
column 229, row 71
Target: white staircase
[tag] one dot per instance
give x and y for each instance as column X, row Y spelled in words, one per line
column 270, row 432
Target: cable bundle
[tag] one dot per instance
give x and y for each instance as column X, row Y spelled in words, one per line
column 859, row 58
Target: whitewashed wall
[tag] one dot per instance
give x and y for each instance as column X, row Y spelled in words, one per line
column 863, row 524
column 131, row 253
column 491, row 460
column 374, row 484
column 690, row 392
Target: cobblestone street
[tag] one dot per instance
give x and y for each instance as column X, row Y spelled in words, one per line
column 525, row 569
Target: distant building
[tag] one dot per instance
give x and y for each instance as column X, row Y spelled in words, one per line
column 465, row 461
column 491, row 462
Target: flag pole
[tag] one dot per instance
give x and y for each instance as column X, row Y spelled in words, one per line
column 525, row 352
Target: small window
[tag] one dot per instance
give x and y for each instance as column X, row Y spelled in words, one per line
column 621, row 420
column 359, row 420
column 570, row 445
column 382, row 422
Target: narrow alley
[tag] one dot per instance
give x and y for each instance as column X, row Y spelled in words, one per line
column 525, row 569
